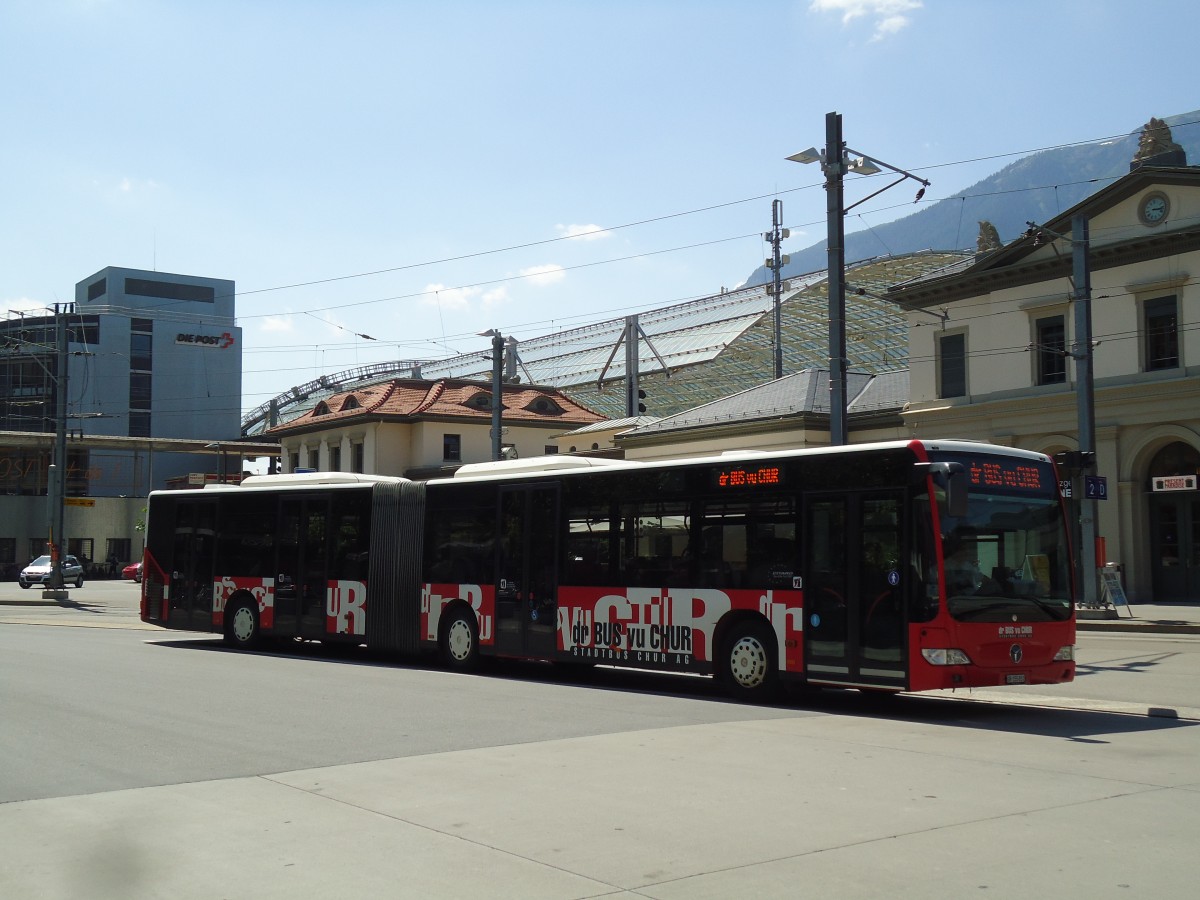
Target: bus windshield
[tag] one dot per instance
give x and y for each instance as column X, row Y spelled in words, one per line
column 1007, row 560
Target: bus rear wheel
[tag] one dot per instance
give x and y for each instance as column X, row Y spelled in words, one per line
column 241, row 625
column 460, row 640
column 747, row 664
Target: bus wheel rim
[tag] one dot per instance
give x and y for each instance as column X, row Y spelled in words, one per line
column 458, row 639
column 748, row 662
column 243, row 623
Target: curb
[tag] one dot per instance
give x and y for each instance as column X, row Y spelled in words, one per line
column 993, row 697
column 1132, row 626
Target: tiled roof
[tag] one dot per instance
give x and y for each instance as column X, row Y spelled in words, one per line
column 413, row 399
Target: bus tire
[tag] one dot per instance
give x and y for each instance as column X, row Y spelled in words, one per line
column 241, row 625
column 747, row 668
column 459, row 639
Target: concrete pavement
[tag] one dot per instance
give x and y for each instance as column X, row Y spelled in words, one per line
column 911, row 803
column 817, row 806
column 1166, row 618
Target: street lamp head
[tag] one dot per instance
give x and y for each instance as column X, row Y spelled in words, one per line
column 863, row 165
column 811, row 155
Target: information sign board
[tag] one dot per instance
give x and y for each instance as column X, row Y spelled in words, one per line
column 1110, row 582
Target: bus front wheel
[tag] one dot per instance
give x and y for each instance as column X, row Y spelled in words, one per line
column 460, row 639
column 241, row 625
column 747, row 665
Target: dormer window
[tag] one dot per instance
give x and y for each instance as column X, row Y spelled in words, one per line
column 321, row 409
column 481, row 400
column 544, row 406
column 351, row 402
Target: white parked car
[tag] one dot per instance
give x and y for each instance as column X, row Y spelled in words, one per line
column 38, row 572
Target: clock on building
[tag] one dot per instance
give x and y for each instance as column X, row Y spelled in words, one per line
column 1154, row 208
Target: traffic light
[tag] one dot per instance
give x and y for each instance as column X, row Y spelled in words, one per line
column 641, row 407
column 1076, row 460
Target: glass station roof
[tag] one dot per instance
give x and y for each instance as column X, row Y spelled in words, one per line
column 711, row 347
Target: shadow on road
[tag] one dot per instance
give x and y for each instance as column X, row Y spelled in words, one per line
column 1009, row 716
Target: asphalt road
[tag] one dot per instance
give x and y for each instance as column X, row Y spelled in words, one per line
column 89, row 710
column 144, row 763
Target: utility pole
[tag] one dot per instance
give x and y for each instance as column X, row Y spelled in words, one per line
column 775, row 263
column 1084, row 461
column 497, row 392
column 58, row 542
column 1085, row 390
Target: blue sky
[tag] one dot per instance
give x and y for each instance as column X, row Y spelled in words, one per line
column 416, row 172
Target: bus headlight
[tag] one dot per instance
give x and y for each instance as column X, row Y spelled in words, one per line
column 946, row 657
column 1066, row 654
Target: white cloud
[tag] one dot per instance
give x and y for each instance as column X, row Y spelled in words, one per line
column 888, row 16
column 464, row 299
column 277, row 324
column 448, row 298
column 24, row 305
column 584, row 232
column 127, row 186
column 495, row 297
column 551, row 273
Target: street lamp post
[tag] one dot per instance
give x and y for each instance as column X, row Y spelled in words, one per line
column 835, row 163
column 835, row 218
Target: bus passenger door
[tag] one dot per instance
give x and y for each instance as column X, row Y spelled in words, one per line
column 854, row 586
column 302, row 581
column 526, row 576
column 192, row 564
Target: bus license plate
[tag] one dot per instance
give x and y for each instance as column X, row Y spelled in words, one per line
column 1014, row 679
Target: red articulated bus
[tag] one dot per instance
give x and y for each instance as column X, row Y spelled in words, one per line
column 900, row 566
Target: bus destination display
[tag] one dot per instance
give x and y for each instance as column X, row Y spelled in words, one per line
column 745, row 476
column 1005, row 475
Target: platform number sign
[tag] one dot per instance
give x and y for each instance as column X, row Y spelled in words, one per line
column 1095, row 487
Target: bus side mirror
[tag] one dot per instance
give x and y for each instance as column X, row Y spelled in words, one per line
column 951, row 477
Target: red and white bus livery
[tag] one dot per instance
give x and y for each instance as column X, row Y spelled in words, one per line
column 901, row 566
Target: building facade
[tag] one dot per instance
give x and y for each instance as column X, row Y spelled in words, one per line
column 994, row 354
column 148, row 355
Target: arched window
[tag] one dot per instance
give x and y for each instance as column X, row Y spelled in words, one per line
column 1175, row 459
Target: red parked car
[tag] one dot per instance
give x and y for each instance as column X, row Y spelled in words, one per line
column 133, row 570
